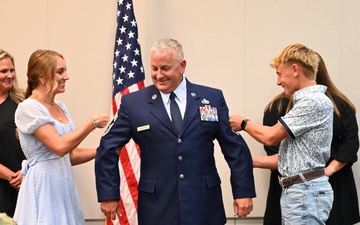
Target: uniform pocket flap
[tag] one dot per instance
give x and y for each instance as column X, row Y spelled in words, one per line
column 146, row 185
column 212, row 180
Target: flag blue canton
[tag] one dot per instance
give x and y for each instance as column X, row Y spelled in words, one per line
column 127, row 67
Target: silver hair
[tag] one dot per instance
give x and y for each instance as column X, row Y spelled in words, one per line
column 169, row 43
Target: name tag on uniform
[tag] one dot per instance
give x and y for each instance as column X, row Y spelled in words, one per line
column 208, row 113
column 142, row 128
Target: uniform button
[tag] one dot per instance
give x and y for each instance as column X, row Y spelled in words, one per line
column 181, row 176
column 180, row 158
column 179, row 141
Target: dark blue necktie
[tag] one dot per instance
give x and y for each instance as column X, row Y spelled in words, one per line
column 175, row 112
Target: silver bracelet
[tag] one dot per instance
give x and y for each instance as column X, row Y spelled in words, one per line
column 95, row 122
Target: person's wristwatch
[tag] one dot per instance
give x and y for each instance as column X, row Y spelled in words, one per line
column 243, row 124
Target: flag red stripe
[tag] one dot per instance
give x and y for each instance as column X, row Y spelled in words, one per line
column 123, row 218
column 108, row 222
column 125, row 91
column 114, row 106
column 130, row 175
column 141, row 84
column 138, row 150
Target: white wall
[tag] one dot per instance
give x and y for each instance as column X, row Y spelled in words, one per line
column 227, row 44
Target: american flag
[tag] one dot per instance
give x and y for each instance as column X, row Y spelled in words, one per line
column 128, row 76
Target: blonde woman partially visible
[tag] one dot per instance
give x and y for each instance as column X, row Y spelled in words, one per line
column 50, row 142
column 11, row 155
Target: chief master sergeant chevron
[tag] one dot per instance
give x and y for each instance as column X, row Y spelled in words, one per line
column 179, row 182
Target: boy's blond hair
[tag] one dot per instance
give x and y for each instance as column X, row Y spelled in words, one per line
column 299, row 54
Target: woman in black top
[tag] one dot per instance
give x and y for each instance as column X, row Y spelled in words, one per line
column 11, row 154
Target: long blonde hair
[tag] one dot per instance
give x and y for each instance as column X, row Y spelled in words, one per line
column 15, row 92
column 332, row 91
column 281, row 97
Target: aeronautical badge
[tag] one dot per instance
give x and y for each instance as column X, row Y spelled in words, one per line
column 205, row 101
column 208, row 113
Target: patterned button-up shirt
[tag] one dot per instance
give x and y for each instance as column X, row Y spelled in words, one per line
column 309, row 125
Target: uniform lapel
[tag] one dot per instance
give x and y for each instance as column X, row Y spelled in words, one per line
column 158, row 109
column 192, row 105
